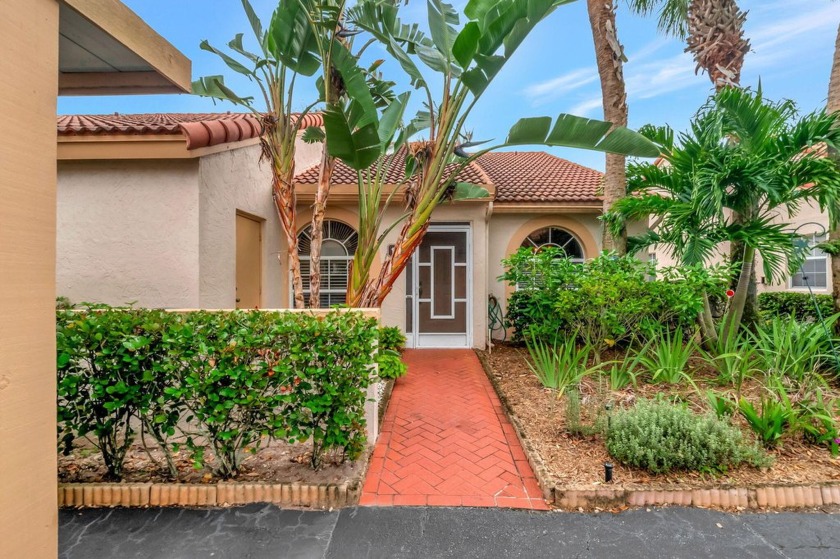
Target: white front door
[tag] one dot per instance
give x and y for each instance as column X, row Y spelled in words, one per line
column 438, row 289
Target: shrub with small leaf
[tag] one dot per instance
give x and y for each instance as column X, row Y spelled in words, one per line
column 662, row 437
column 391, row 343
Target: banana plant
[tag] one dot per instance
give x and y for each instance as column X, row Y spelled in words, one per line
column 467, row 60
column 287, row 48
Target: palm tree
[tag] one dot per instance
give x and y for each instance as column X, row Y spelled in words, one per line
column 744, row 156
column 609, row 56
column 712, row 29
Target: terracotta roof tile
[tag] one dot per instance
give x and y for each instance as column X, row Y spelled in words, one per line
column 200, row 129
column 394, row 174
column 535, row 177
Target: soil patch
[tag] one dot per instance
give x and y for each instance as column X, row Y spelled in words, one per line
column 275, row 461
column 578, row 461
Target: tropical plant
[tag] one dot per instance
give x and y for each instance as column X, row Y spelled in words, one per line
column 733, row 356
column 770, row 421
column 785, row 347
column 713, row 32
column 744, row 156
column 304, row 38
column 661, row 437
column 466, row 61
column 621, row 374
column 560, row 365
column 721, row 404
column 665, row 357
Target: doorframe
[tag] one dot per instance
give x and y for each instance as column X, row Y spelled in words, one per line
column 413, row 337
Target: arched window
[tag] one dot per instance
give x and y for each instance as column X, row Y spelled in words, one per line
column 337, row 250
column 555, row 237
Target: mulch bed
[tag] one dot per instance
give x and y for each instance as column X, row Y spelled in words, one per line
column 578, row 462
column 275, row 461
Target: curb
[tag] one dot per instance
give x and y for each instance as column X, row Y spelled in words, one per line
column 771, row 496
column 741, row 498
column 220, row 494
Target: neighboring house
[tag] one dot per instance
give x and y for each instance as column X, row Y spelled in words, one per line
column 176, row 211
column 164, row 209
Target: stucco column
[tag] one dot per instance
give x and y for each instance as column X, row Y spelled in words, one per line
column 29, row 66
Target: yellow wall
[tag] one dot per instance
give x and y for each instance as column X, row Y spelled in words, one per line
column 28, row 64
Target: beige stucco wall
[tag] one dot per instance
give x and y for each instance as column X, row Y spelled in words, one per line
column 129, row 231
column 508, row 230
column 29, row 63
column 808, row 220
column 237, row 181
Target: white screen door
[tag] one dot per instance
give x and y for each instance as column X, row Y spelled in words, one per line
column 438, row 312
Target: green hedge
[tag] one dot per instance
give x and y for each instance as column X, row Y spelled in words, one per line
column 798, row 305
column 217, row 381
column 391, row 343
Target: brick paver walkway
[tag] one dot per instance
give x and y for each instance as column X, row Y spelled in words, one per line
column 446, row 441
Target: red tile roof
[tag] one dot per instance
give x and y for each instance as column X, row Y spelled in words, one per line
column 200, row 129
column 535, row 177
column 394, row 173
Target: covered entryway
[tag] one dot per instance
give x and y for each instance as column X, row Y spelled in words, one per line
column 438, row 289
column 248, row 262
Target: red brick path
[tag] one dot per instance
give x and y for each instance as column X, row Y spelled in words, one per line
column 446, row 441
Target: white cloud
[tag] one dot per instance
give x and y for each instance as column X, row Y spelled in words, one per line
column 555, row 88
column 587, row 107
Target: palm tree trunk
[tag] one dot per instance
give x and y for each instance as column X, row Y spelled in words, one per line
column 834, row 106
column 736, row 310
column 716, row 39
column 318, row 210
column 286, row 202
column 609, row 55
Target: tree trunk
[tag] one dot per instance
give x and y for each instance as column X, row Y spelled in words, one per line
column 736, row 310
column 317, row 239
column 285, row 201
column 609, row 55
column 834, row 106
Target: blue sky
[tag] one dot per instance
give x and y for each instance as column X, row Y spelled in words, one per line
column 551, row 73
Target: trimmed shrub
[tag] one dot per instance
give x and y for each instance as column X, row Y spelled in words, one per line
column 230, row 378
column 391, row 343
column 108, row 363
column 661, row 437
column 797, row 305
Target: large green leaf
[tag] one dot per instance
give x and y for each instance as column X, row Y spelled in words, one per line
column 232, row 63
column 355, row 85
column 255, row 22
column 236, row 46
column 466, row 44
column 357, row 147
column 291, row 38
column 482, row 73
column 467, row 191
column 579, row 132
column 442, row 17
column 391, row 120
column 214, row 87
column 379, row 18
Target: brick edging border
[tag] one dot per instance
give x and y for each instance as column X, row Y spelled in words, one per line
column 770, row 496
column 320, row 496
